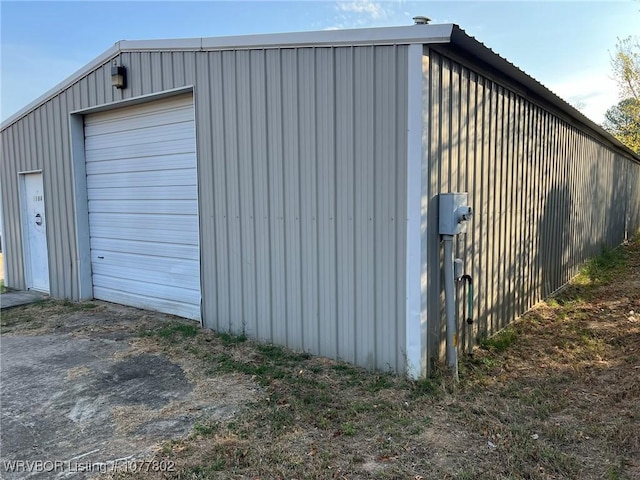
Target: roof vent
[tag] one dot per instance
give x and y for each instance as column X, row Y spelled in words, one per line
column 420, row 20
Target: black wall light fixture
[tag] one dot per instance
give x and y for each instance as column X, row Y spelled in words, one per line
column 118, row 76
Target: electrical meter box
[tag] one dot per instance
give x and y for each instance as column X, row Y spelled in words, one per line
column 454, row 213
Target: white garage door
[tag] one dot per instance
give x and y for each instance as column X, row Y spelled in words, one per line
column 143, row 206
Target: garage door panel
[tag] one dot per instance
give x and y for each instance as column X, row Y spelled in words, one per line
column 142, row 222
column 143, row 114
column 156, row 236
column 147, row 262
column 169, row 292
column 139, row 276
column 148, row 206
column 169, row 193
column 113, row 269
column 143, row 206
column 149, row 303
column 160, row 133
column 145, row 235
column 141, row 150
column 136, row 116
column 128, row 128
column 187, row 177
column 140, row 164
column 155, row 148
column 157, row 249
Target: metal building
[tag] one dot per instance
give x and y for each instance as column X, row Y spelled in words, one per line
column 286, row 186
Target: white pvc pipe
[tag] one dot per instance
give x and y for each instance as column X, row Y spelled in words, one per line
column 450, row 306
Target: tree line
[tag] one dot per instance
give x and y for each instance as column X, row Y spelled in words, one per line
column 623, row 120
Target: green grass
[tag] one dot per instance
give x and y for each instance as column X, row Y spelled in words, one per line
column 172, row 330
column 603, row 268
column 348, row 429
column 230, row 339
column 501, row 341
column 205, row 429
column 73, row 306
column 3, row 289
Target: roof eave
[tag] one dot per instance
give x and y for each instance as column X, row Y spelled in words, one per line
column 476, row 48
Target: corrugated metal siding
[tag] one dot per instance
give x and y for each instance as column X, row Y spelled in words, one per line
column 301, row 167
column 546, row 196
column 303, row 194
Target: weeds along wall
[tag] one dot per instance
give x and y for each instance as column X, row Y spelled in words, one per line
column 546, row 195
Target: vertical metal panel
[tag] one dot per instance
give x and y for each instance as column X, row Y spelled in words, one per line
column 146, row 71
column 333, row 117
column 214, row 186
column 231, row 179
column 12, row 237
column 363, row 129
column 56, row 183
column 275, row 198
column 261, row 191
column 291, row 90
column 346, row 173
column 245, row 191
column 511, row 190
column 203, row 116
column 385, row 225
column 307, row 196
column 315, row 115
column 433, row 300
column 400, row 160
column 546, row 195
column 481, row 192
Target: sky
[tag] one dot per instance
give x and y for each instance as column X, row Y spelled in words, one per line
column 566, row 45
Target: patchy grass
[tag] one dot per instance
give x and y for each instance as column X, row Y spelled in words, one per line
column 37, row 315
column 500, row 341
column 553, row 396
column 3, row 289
column 172, row 330
column 603, row 268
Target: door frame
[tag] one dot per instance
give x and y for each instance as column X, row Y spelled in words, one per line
column 24, row 224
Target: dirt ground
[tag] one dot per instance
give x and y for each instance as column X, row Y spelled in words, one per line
column 554, row 396
column 77, row 389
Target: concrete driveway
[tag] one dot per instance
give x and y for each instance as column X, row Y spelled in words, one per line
column 79, row 396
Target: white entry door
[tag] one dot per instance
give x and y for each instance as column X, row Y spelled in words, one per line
column 34, row 233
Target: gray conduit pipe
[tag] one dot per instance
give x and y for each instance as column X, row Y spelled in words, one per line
column 450, row 306
column 469, row 304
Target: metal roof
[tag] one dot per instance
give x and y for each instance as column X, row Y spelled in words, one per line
column 480, row 51
column 438, row 34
